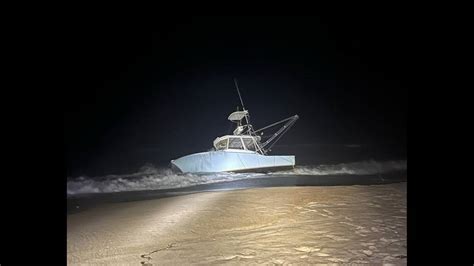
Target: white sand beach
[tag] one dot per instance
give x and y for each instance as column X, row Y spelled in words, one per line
column 280, row 225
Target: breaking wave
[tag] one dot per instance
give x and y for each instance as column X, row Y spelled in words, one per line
column 151, row 178
column 356, row 168
column 147, row 178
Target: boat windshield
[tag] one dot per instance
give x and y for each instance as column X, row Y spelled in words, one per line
column 222, row 145
column 235, row 143
column 249, row 144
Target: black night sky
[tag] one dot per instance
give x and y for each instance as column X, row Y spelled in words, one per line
column 156, row 89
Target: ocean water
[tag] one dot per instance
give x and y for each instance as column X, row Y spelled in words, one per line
column 151, row 178
column 142, row 172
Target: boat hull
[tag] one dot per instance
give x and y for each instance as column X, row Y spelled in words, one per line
column 232, row 161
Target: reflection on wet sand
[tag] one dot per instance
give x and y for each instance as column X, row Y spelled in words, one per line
column 340, row 224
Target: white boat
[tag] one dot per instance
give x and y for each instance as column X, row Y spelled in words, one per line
column 244, row 151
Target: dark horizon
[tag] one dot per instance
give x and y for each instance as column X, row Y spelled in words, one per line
column 165, row 88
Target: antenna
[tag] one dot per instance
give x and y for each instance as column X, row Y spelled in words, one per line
column 237, row 87
column 247, row 117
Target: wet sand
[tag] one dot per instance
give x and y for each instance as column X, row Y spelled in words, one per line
column 280, row 225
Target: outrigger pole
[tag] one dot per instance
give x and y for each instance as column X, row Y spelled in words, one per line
column 290, row 122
